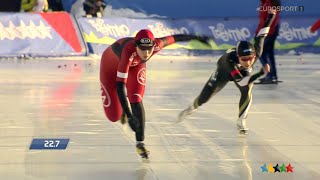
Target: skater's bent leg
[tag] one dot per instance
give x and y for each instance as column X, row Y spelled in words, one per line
column 135, row 88
column 244, row 105
column 139, row 113
column 211, row 88
column 111, row 104
column 245, row 100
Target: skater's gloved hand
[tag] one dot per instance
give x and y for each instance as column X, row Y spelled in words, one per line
column 133, row 123
column 203, row 39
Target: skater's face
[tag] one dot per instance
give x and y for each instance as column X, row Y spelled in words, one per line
column 247, row 61
column 145, row 51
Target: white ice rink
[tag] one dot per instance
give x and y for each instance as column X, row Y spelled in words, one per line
column 58, row 99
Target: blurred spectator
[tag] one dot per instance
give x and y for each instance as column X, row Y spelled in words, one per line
column 34, row 5
column 55, row 5
column 10, row 5
column 268, row 48
column 41, row 6
column 28, row 5
column 94, row 8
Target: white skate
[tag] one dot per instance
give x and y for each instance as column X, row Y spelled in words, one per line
column 241, row 125
column 183, row 114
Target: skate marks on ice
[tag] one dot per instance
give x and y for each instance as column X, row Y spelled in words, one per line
column 205, row 146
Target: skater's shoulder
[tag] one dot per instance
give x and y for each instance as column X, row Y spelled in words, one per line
column 231, row 56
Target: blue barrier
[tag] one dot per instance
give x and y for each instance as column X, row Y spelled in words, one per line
column 294, row 32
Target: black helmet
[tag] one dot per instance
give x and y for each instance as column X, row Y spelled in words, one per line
column 245, row 48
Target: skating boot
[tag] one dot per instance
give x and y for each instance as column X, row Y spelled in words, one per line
column 241, row 125
column 183, row 114
column 141, row 150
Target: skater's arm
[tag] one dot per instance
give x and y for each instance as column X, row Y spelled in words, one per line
column 168, row 40
column 182, row 37
column 122, row 76
column 122, row 95
column 236, row 74
column 250, row 79
column 263, row 32
column 232, row 68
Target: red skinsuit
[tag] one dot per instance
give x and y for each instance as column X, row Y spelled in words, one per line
column 121, row 63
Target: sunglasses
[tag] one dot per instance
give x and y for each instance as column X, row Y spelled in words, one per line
column 145, row 48
column 247, row 58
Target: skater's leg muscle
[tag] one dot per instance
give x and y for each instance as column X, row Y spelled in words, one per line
column 139, row 113
column 245, row 100
column 211, row 88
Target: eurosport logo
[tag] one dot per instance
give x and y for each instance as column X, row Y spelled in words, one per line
column 276, row 168
column 281, row 8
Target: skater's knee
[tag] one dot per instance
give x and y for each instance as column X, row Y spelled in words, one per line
column 135, row 98
column 204, row 96
column 113, row 117
column 201, row 100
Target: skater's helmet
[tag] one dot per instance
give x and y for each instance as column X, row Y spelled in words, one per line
column 245, row 48
column 144, row 37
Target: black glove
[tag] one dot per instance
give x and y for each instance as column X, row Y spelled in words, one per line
column 133, row 123
column 204, row 40
column 183, row 37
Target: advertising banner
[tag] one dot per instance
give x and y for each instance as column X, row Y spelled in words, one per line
column 39, row 34
column 226, row 32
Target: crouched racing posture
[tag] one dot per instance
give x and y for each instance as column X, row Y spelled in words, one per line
column 235, row 65
column 123, row 78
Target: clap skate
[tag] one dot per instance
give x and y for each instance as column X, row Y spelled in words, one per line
column 183, row 114
column 241, row 125
column 141, row 150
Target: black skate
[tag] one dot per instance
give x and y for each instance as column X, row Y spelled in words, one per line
column 243, row 131
column 141, row 150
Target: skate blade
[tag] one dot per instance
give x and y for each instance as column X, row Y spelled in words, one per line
column 179, row 120
column 145, row 159
column 243, row 132
column 181, row 117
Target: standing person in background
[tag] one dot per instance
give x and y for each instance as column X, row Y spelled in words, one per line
column 10, row 5
column 94, row 8
column 34, row 5
column 123, row 76
column 27, row 5
column 41, row 6
column 315, row 26
column 269, row 43
column 55, row 5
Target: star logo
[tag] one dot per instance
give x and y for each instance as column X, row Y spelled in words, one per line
column 264, row 168
column 270, row 168
column 276, row 168
column 283, row 168
column 289, row 168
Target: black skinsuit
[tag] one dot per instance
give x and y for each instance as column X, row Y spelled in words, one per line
column 229, row 69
